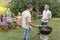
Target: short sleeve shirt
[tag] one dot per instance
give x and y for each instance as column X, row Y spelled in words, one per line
column 26, row 17
column 46, row 15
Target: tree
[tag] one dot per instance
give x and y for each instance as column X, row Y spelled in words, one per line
column 20, row 5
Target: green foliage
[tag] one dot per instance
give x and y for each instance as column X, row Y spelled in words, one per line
column 53, row 6
column 20, row 5
column 17, row 6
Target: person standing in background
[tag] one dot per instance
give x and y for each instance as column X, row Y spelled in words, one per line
column 8, row 13
column 46, row 15
column 9, row 16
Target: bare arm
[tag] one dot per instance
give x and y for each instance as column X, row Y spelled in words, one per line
column 30, row 23
column 13, row 15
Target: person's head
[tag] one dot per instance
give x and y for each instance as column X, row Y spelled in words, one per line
column 8, row 8
column 30, row 7
column 19, row 14
column 4, row 15
column 46, row 7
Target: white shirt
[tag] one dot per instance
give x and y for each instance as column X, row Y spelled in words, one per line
column 26, row 17
column 46, row 15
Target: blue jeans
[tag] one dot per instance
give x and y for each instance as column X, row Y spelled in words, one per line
column 44, row 23
column 27, row 33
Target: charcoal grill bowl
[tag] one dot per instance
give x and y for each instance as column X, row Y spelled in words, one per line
column 45, row 32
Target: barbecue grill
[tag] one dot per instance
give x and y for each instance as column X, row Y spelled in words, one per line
column 45, row 30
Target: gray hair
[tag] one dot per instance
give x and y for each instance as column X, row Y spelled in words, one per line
column 29, row 6
column 47, row 5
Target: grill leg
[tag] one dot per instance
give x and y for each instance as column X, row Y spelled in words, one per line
column 43, row 37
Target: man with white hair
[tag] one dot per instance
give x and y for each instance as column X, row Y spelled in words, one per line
column 44, row 21
column 46, row 15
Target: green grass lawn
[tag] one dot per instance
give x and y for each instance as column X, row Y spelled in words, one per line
column 17, row 34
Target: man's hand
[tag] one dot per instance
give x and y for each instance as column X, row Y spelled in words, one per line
column 36, row 25
column 45, row 19
column 31, row 24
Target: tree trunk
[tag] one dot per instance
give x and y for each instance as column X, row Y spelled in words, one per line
column 37, row 9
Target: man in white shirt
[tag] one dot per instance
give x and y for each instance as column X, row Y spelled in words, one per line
column 46, row 15
column 26, row 21
column 44, row 21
